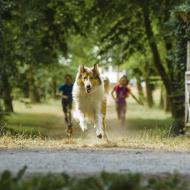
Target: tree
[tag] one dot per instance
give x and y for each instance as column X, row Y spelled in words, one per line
column 7, row 47
column 33, row 34
column 132, row 24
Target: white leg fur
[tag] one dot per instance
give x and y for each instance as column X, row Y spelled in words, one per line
column 98, row 124
column 83, row 124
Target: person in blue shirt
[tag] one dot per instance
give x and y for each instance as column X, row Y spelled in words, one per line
column 66, row 100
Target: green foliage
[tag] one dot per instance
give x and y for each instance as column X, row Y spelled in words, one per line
column 115, row 28
column 180, row 27
column 183, row 7
column 170, row 182
column 33, row 37
column 109, row 181
column 36, row 35
column 135, row 30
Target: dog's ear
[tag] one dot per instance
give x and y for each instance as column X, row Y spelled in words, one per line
column 95, row 69
column 96, row 73
column 81, row 68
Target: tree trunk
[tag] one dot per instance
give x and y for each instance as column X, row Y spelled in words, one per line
column 178, row 80
column 54, row 85
column 164, row 100
column 26, row 93
column 154, row 49
column 161, row 104
column 34, row 94
column 175, row 86
column 25, row 89
column 140, row 88
column 4, row 79
column 167, row 105
column 6, row 93
column 149, row 95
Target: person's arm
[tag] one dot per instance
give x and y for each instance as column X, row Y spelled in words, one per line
column 61, row 93
column 65, row 97
column 136, row 99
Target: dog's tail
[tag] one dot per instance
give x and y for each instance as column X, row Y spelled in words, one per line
column 106, row 85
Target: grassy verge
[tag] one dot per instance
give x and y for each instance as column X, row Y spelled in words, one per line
column 108, row 181
column 42, row 127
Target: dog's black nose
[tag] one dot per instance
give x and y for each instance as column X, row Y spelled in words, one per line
column 88, row 86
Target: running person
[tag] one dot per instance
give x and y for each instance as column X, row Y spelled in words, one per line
column 119, row 93
column 66, row 100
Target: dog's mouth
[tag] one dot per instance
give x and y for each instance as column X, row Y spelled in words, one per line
column 88, row 90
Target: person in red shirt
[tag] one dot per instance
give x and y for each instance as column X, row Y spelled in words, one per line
column 119, row 93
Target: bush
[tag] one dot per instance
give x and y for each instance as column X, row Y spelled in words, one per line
column 104, row 181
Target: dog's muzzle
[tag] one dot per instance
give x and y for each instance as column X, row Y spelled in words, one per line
column 88, row 88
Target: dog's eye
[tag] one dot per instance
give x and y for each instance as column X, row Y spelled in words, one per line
column 91, row 78
column 85, row 77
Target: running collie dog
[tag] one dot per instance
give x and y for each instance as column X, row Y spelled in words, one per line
column 89, row 95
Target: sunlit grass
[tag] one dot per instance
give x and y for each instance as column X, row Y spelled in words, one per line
column 38, row 121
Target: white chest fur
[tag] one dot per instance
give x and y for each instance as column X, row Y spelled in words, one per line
column 88, row 104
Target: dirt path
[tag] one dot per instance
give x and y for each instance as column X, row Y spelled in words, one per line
column 84, row 161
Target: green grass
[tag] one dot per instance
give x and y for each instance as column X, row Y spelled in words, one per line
column 143, row 120
column 31, row 121
column 108, row 181
column 38, row 119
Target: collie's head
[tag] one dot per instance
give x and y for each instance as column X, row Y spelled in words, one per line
column 89, row 78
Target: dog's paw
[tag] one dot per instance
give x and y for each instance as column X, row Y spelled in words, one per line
column 99, row 136
column 68, row 132
column 83, row 128
column 99, row 133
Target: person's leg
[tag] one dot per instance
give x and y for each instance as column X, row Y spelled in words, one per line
column 66, row 115
column 118, row 110
column 69, row 116
column 70, row 112
column 64, row 108
column 123, row 112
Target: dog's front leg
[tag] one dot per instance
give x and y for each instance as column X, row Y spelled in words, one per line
column 82, row 122
column 98, row 125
